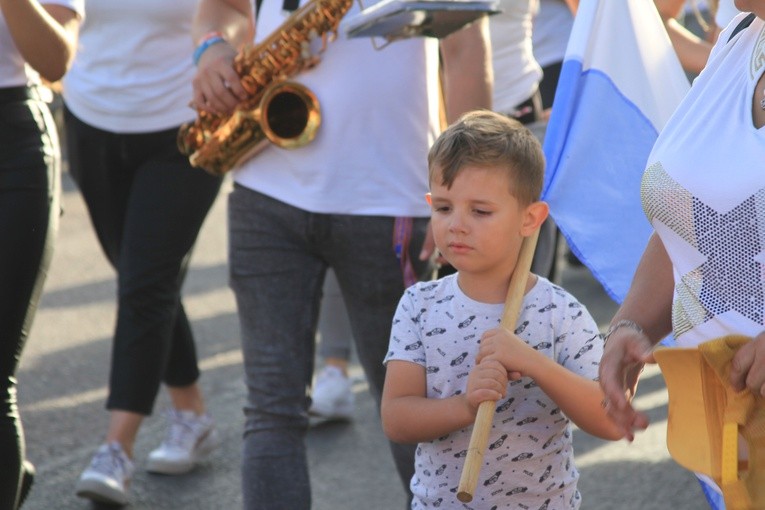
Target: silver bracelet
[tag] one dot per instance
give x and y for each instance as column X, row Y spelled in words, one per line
column 624, row 323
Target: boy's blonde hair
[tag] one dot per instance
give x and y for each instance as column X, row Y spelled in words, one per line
column 486, row 139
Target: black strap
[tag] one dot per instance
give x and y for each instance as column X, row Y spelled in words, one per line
column 290, row 5
column 742, row 25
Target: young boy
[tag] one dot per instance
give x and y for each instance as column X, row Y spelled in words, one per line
column 447, row 353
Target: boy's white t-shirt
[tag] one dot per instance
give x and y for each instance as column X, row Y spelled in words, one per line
column 133, row 68
column 14, row 71
column 530, row 459
column 379, row 117
column 704, row 193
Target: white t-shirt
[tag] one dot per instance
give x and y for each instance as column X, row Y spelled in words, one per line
column 516, row 73
column 379, row 117
column 530, row 459
column 552, row 29
column 704, row 193
column 133, row 69
column 14, row 71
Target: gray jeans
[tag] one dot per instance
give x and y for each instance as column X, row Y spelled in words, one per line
column 278, row 257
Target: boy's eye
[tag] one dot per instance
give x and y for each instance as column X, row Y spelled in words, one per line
column 481, row 212
column 441, row 208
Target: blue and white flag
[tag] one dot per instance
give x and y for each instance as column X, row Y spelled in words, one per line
column 621, row 81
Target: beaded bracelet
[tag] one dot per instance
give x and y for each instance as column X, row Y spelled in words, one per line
column 624, row 323
column 206, row 41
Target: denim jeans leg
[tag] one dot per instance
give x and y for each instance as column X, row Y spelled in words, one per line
column 277, row 281
column 371, row 279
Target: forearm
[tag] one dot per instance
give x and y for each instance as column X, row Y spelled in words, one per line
column 467, row 70
column 45, row 37
column 692, row 51
column 572, row 4
column 580, row 399
column 413, row 419
column 232, row 18
column 649, row 300
column 669, row 8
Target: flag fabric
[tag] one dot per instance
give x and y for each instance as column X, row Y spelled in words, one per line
column 620, row 82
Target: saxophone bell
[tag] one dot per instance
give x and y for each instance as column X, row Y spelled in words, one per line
column 289, row 114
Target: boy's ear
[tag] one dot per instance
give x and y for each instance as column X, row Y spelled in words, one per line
column 429, row 199
column 536, row 214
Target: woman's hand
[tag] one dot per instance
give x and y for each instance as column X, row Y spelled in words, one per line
column 748, row 367
column 625, row 354
column 217, row 88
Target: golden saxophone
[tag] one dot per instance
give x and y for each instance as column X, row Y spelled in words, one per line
column 278, row 111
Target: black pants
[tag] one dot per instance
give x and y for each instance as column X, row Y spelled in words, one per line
column 29, row 209
column 549, row 83
column 147, row 205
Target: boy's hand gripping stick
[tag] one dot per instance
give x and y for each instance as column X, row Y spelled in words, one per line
column 483, row 419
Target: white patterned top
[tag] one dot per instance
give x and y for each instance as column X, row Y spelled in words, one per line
column 529, row 463
column 704, row 193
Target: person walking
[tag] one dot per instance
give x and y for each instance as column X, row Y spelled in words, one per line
column 350, row 200
column 37, row 42
column 124, row 101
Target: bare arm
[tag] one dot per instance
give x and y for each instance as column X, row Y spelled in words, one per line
column 649, row 305
column 45, row 36
column 408, row 416
column 578, row 397
column 692, row 51
column 216, row 85
column 232, row 18
column 572, row 4
column 467, row 70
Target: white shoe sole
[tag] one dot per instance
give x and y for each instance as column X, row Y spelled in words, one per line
column 175, row 467
column 342, row 412
column 99, row 492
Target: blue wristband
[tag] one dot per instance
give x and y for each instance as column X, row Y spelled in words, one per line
column 204, row 45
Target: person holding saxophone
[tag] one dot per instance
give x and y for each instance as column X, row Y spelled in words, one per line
column 350, row 200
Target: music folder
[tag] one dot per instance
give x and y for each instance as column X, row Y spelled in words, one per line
column 402, row 19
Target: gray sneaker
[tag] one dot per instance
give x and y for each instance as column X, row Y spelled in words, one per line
column 190, row 439
column 107, row 479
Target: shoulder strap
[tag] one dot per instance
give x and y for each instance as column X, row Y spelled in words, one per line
column 742, row 25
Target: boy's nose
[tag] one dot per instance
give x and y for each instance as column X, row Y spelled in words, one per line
column 457, row 224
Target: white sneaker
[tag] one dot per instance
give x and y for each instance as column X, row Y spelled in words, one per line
column 107, row 479
column 190, row 438
column 332, row 397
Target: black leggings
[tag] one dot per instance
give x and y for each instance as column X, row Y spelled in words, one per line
column 29, row 209
column 147, row 205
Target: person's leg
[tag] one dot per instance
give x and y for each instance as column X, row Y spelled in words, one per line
column 372, row 282
column 334, row 327
column 276, row 277
column 167, row 205
column 332, row 396
column 29, row 209
column 147, row 205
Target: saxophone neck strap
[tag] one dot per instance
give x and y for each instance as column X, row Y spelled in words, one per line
column 290, row 5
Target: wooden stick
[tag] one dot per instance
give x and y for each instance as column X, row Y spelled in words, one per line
column 483, row 420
